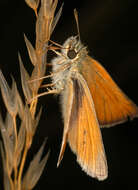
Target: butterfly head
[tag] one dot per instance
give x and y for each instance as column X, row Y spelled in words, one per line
column 74, row 49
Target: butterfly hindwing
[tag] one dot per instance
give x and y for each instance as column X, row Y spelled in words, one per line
column 111, row 104
column 67, row 97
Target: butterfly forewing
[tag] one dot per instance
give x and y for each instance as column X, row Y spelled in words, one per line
column 84, row 135
column 111, row 104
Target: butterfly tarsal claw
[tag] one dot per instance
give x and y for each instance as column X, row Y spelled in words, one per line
column 50, row 91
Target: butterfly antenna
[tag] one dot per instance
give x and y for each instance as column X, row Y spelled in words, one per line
column 77, row 21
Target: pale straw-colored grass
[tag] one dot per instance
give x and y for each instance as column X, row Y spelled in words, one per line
column 17, row 140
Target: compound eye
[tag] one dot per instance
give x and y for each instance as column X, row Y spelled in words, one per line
column 71, row 54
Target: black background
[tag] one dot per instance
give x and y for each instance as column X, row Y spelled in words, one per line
column 109, row 29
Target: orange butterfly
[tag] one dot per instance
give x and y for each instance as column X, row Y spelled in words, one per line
column 90, row 99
